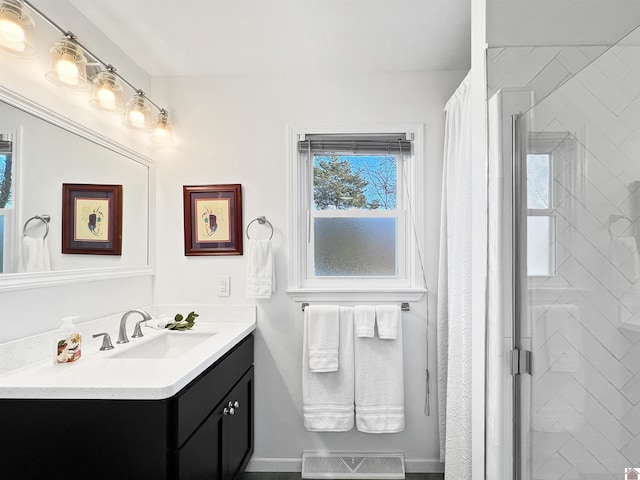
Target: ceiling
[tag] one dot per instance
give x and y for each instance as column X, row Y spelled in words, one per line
column 230, row 37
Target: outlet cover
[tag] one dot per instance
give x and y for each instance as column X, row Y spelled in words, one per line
column 224, row 285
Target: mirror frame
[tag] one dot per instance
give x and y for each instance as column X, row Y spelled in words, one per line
column 24, row 281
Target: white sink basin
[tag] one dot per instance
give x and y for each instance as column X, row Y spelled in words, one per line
column 168, row 345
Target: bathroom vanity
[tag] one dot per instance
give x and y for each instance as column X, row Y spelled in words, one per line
column 204, row 430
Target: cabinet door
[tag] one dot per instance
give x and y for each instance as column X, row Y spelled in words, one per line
column 239, row 427
column 200, row 457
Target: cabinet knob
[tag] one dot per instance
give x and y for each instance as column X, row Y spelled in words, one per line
column 225, row 411
column 235, row 404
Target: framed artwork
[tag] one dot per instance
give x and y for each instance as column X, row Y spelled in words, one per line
column 91, row 219
column 213, row 219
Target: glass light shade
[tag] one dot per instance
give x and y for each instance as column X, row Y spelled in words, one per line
column 161, row 130
column 107, row 93
column 138, row 113
column 68, row 65
column 13, row 24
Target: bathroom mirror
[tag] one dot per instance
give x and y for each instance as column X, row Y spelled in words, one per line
column 47, row 151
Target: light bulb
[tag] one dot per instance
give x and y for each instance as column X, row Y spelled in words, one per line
column 11, row 33
column 106, row 97
column 160, row 133
column 136, row 118
column 67, row 69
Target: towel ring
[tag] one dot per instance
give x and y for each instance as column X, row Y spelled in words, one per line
column 261, row 220
column 43, row 218
column 615, row 218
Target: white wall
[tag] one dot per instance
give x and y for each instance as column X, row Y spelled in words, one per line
column 553, row 23
column 234, row 130
column 33, row 311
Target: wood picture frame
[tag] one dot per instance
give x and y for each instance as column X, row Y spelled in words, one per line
column 212, row 219
column 91, row 219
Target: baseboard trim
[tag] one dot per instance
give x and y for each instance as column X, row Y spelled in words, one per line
column 257, row 464
column 423, row 465
column 275, row 464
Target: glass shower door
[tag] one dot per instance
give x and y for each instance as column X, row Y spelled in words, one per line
column 577, row 266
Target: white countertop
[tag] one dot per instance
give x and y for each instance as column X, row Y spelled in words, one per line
column 98, row 376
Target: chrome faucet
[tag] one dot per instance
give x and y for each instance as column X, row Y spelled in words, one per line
column 122, row 334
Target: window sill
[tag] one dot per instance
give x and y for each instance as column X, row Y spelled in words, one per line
column 356, row 295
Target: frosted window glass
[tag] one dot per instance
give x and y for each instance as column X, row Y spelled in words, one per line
column 541, row 245
column 538, row 181
column 355, row 247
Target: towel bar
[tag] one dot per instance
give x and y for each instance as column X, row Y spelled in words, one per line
column 404, row 306
column 43, row 218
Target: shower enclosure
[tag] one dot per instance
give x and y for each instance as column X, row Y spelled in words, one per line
column 563, row 344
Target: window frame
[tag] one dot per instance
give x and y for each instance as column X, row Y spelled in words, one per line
column 548, row 143
column 408, row 287
column 10, row 261
column 549, row 212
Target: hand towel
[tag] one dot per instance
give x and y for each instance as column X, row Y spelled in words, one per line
column 35, row 255
column 387, row 319
column 365, row 320
column 323, row 333
column 261, row 280
column 379, row 379
column 328, row 397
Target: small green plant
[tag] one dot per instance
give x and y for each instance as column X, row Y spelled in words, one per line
column 181, row 323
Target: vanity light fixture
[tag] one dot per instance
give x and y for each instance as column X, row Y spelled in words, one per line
column 107, row 93
column 68, row 68
column 161, row 130
column 68, row 65
column 13, row 22
column 138, row 112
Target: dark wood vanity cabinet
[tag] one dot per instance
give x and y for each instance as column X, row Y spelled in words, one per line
column 222, row 445
column 203, row 432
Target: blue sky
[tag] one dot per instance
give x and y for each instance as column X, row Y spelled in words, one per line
column 361, row 161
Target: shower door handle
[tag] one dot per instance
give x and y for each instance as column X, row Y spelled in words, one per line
column 520, row 361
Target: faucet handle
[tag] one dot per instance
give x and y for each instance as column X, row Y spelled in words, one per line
column 137, row 331
column 106, row 341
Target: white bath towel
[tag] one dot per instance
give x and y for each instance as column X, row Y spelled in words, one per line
column 323, row 335
column 379, row 384
column 387, row 320
column 261, row 280
column 35, row 255
column 328, row 397
column 365, row 320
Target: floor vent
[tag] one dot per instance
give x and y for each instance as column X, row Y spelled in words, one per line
column 352, row 465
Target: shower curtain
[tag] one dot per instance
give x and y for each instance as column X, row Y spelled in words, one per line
column 454, row 290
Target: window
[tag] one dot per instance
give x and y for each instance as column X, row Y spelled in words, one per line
column 551, row 164
column 354, row 226
column 6, row 199
column 540, row 217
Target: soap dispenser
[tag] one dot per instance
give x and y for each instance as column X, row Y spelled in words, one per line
column 67, row 343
